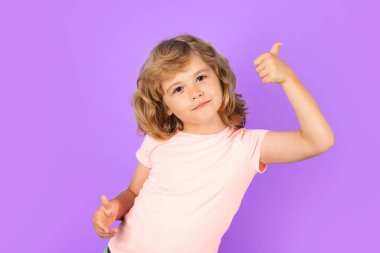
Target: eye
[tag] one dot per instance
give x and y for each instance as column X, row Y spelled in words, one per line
column 176, row 89
column 202, row 78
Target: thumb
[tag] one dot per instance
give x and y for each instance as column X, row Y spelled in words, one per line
column 275, row 48
column 108, row 208
column 104, row 200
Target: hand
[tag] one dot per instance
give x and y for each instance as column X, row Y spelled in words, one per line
column 104, row 216
column 271, row 68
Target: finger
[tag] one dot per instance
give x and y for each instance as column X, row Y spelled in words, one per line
column 100, row 231
column 102, row 223
column 260, row 68
column 259, row 60
column 264, row 74
column 105, row 235
column 105, row 229
column 275, row 48
column 104, row 199
column 107, row 206
column 110, row 233
column 267, row 79
column 100, row 226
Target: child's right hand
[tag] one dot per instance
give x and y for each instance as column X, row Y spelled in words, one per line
column 104, row 216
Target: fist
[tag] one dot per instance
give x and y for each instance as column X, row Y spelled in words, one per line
column 104, row 216
column 271, row 68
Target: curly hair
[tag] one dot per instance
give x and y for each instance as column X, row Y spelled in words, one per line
column 164, row 61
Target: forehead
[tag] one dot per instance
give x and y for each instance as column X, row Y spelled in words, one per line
column 195, row 64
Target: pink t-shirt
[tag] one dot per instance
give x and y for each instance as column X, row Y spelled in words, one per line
column 192, row 193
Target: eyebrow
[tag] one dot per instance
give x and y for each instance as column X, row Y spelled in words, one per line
column 196, row 73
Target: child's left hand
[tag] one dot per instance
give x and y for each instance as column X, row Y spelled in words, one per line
column 271, row 68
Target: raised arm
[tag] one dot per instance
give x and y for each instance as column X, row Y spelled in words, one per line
column 314, row 137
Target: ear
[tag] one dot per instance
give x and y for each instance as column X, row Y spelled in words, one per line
column 169, row 112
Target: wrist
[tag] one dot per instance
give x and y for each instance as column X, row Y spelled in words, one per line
column 290, row 79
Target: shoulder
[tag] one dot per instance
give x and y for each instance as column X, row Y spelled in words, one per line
column 151, row 142
column 248, row 133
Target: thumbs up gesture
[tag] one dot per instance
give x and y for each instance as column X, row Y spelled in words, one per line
column 271, row 68
column 104, row 216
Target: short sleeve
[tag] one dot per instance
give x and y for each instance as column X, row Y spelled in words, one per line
column 143, row 154
column 252, row 139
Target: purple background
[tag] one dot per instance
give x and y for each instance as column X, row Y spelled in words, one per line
column 68, row 135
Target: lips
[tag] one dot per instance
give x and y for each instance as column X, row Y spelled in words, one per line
column 201, row 104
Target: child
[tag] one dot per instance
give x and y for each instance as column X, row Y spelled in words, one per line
column 197, row 160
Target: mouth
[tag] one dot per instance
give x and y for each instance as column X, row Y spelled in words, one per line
column 201, row 105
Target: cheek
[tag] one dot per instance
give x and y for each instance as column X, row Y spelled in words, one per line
column 217, row 90
column 178, row 104
column 166, row 102
column 171, row 104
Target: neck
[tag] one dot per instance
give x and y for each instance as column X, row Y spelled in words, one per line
column 205, row 128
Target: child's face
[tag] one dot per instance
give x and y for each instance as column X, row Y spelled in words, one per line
column 191, row 90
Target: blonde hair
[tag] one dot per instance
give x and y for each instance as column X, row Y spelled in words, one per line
column 164, row 61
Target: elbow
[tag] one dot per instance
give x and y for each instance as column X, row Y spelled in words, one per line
column 322, row 145
column 330, row 141
column 327, row 141
column 327, row 144
column 327, row 147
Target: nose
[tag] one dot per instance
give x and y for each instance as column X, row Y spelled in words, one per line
column 196, row 93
